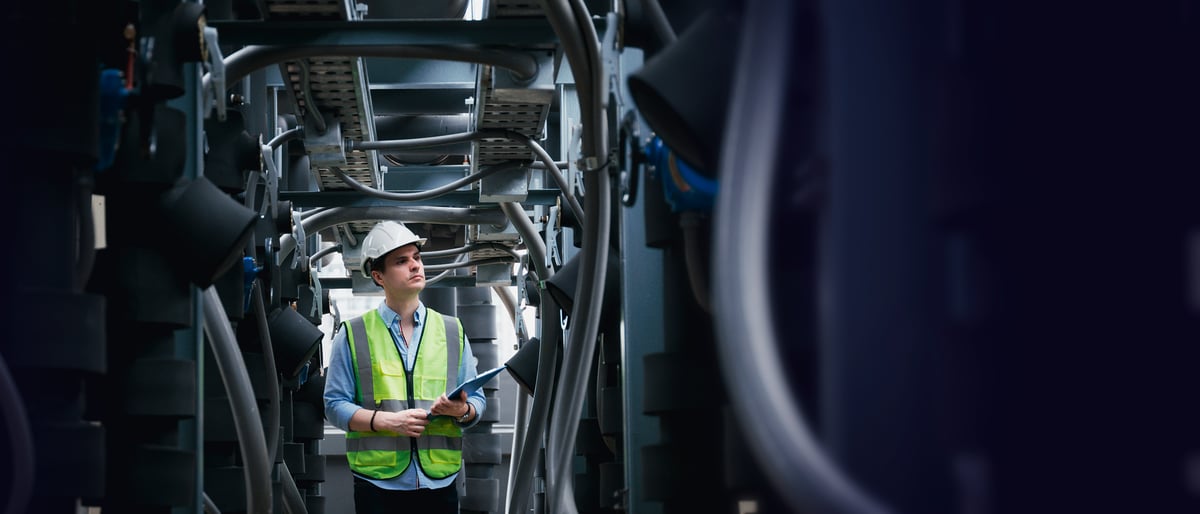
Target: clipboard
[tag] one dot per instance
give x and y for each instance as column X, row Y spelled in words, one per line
column 474, row 384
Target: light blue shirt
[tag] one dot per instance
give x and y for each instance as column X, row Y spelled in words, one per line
column 340, row 387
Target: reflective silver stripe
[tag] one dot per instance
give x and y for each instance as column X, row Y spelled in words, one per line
column 397, row 444
column 439, row 442
column 362, row 354
column 392, row 405
column 379, row 443
column 452, row 353
column 399, row 405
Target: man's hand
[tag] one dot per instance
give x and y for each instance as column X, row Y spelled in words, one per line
column 444, row 406
column 409, row 422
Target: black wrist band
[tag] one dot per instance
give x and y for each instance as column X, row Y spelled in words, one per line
column 373, row 419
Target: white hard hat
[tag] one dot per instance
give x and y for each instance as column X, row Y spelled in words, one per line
column 383, row 238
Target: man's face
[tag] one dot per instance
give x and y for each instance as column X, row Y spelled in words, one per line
column 403, row 271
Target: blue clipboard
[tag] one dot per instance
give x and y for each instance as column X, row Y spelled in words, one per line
column 474, row 384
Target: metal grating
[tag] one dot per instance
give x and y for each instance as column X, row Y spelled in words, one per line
column 337, row 85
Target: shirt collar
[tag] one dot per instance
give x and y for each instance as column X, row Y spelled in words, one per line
column 390, row 317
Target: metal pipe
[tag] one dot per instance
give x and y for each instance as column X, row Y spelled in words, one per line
column 246, row 418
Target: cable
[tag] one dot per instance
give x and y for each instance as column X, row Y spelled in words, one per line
column 548, row 163
column 412, row 214
column 524, row 454
column 312, row 260
column 309, row 104
column 791, row 457
column 567, row 18
column 533, row 243
column 426, row 142
column 264, row 337
column 246, row 418
column 470, row 248
column 293, row 501
column 291, row 134
column 429, row 193
column 444, row 274
column 552, row 168
column 20, row 435
column 241, row 63
column 468, row 263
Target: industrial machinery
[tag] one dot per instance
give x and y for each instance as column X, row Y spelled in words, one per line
column 738, row 256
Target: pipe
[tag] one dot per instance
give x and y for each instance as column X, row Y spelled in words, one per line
column 245, row 61
column 20, row 435
column 293, row 501
column 264, row 337
column 791, row 457
column 246, row 419
column 411, row 214
column 429, row 193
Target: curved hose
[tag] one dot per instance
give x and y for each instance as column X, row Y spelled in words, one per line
column 264, row 336
column 16, row 424
column 246, row 419
column 241, row 63
column 791, row 457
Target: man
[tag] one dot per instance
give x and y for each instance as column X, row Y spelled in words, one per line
column 405, row 450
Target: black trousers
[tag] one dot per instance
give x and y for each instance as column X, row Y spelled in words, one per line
column 369, row 499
